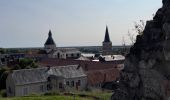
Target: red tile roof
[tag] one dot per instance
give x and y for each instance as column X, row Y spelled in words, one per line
column 87, row 65
column 97, row 72
column 100, row 76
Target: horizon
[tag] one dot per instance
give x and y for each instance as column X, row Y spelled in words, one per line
column 73, row 23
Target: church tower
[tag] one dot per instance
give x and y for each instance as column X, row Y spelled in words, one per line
column 50, row 44
column 107, row 44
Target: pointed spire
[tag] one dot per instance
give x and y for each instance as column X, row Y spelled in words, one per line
column 107, row 38
column 50, row 40
column 50, row 34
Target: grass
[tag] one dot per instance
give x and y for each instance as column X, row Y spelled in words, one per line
column 78, row 96
column 47, row 98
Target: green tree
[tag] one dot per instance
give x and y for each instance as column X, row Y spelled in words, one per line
column 27, row 63
column 2, row 51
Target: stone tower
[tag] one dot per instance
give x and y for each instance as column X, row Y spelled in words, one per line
column 50, row 44
column 107, row 44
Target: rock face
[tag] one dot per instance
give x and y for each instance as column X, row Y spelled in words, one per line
column 147, row 66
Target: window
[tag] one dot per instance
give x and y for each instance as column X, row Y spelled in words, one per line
column 72, row 55
column 49, row 87
column 72, row 83
column 41, row 88
column 58, row 55
column 67, row 83
column 78, row 55
column 60, row 85
column 25, row 91
column 79, row 82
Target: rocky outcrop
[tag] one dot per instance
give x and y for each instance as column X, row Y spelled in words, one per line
column 147, row 65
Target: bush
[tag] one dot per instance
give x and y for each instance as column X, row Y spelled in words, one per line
column 51, row 93
column 3, row 93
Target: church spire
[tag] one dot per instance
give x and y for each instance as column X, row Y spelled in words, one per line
column 107, row 38
column 49, row 34
column 107, row 44
column 50, row 40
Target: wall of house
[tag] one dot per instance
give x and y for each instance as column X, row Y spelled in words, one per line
column 50, row 46
column 10, row 87
column 59, row 54
column 83, row 83
column 73, row 55
column 37, row 88
column 55, row 84
column 68, row 84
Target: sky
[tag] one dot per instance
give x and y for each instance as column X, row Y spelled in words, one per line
column 26, row 23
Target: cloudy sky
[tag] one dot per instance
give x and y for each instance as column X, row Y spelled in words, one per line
column 25, row 23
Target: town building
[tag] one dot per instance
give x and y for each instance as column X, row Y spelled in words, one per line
column 60, row 53
column 107, row 44
column 51, row 51
column 41, row 80
column 98, row 73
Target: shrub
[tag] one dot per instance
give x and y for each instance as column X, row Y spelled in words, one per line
column 51, row 93
column 3, row 93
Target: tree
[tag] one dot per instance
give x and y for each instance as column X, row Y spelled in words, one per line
column 138, row 29
column 124, row 50
column 2, row 51
column 131, row 37
column 4, row 71
column 27, row 63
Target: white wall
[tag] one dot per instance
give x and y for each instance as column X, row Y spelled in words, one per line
column 32, row 89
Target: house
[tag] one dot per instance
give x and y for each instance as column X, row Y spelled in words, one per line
column 98, row 73
column 41, row 80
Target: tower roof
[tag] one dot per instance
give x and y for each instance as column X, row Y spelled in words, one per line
column 50, row 40
column 107, row 38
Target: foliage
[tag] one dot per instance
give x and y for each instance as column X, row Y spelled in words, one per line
column 3, row 93
column 3, row 75
column 99, row 95
column 47, row 98
column 51, row 93
column 23, row 63
column 26, row 63
column 2, row 51
column 138, row 29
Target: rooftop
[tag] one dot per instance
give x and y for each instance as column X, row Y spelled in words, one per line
column 28, row 76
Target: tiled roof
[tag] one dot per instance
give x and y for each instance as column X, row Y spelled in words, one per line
column 83, row 58
column 101, row 76
column 97, row 72
column 27, row 76
column 86, row 65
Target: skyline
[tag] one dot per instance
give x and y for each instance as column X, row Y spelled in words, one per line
column 73, row 23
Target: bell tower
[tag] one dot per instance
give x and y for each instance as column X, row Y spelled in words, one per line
column 50, row 44
column 107, row 44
